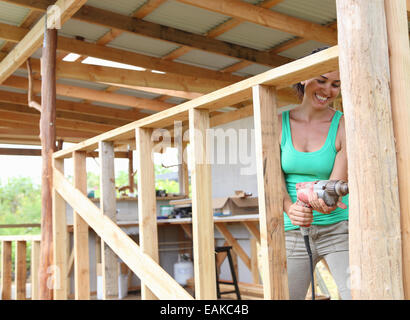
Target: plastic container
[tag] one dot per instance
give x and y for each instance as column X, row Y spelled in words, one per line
column 183, row 270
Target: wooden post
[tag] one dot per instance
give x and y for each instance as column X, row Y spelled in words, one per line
column 272, row 233
column 60, row 241
column 202, row 213
column 48, row 144
column 80, row 234
column 147, row 212
column 20, row 270
column 374, row 208
column 131, row 171
column 35, row 262
column 108, row 207
column 398, row 41
column 6, row 267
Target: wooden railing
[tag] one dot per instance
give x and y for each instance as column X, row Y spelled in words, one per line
column 198, row 115
column 20, row 266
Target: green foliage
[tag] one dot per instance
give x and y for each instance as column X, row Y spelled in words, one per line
column 20, row 202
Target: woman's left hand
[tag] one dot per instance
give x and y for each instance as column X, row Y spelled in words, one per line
column 320, row 206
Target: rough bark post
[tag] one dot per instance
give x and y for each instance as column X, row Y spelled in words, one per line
column 399, row 53
column 374, row 208
column 48, row 143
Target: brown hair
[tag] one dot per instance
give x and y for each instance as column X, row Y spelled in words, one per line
column 299, row 87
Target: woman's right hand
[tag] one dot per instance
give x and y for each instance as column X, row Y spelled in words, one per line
column 300, row 215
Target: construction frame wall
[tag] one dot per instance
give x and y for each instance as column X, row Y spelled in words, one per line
column 373, row 59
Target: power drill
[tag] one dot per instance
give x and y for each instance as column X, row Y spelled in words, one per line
column 329, row 191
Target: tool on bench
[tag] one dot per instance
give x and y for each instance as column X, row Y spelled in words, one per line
column 329, row 191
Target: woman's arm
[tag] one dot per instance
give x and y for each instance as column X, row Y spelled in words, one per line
column 339, row 172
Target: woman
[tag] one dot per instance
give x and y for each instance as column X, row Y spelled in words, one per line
column 313, row 147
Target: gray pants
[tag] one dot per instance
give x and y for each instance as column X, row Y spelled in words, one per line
column 330, row 242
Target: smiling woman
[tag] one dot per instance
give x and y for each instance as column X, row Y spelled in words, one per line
column 312, row 143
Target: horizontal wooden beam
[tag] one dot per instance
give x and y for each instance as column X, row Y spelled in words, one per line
column 124, row 23
column 85, row 109
column 281, row 77
column 33, row 39
column 89, row 94
column 15, row 113
column 268, row 18
column 71, row 45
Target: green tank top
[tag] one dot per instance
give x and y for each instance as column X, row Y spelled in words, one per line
column 310, row 166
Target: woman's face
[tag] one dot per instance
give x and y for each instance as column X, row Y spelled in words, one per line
column 321, row 91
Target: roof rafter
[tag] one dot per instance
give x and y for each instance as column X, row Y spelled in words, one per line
column 77, row 107
column 32, row 40
column 268, row 18
column 70, row 45
column 90, row 94
column 137, row 26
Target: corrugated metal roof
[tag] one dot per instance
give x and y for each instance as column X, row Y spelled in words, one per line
column 207, row 59
column 318, row 11
column 137, row 93
column 185, row 17
column 125, row 7
column 91, row 32
column 110, row 105
column 10, row 89
column 143, row 45
column 254, row 36
column 252, row 70
column 82, row 83
column 12, row 14
column 303, row 49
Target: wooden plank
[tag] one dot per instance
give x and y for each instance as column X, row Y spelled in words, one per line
column 6, row 269
column 81, row 251
column 26, row 237
column 253, row 229
column 254, row 260
column 32, row 40
column 375, row 263
column 60, row 240
column 73, row 107
column 35, row 262
column 108, row 206
column 399, row 55
column 147, row 213
column 91, row 94
column 158, row 280
column 221, row 227
column 202, row 213
column 21, row 271
column 299, row 70
column 268, row 168
column 268, row 18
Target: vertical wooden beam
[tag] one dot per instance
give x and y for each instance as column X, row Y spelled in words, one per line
column 81, row 251
column 35, row 262
column 60, row 240
column 147, row 212
column 374, row 219
column 48, row 144
column 183, row 175
column 399, row 54
column 21, row 270
column 131, row 171
column 270, row 199
column 109, row 260
column 6, row 267
column 202, row 213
